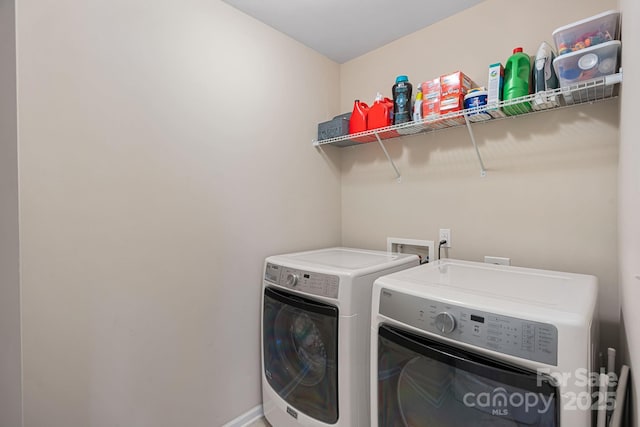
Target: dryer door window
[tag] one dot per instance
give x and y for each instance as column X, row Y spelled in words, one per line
column 300, row 338
column 422, row 382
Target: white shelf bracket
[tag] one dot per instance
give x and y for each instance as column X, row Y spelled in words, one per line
column 386, row 153
column 483, row 171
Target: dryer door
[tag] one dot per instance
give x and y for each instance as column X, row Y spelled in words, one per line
column 422, row 382
column 300, row 338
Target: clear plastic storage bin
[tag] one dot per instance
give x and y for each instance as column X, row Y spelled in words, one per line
column 586, row 64
column 587, row 33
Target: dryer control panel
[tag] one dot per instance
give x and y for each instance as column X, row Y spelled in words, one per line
column 517, row 337
column 325, row 285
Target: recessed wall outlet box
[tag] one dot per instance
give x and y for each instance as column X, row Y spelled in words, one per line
column 497, row 260
column 423, row 248
column 445, row 234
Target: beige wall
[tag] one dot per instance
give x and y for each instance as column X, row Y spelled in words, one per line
column 10, row 371
column 630, row 195
column 161, row 160
column 550, row 196
column 165, row 150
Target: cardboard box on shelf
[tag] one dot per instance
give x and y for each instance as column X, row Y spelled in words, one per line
column 453, row 88
column 494, row 90
column 431, row 98
column 431, row 102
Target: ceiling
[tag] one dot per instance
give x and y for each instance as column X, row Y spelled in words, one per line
column 345, row 29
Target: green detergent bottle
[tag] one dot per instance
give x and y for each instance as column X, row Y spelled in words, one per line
column 517, row 82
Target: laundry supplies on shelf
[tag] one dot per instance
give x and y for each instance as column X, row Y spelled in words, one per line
column 517, row 82
column 402, row 100
column 358, row 121
column 544, row 78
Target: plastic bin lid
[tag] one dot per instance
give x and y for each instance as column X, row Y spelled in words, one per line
column 608, row 13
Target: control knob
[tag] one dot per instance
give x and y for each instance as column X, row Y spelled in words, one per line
column 445, row 322
column 292, row 279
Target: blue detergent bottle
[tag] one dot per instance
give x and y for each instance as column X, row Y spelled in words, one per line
column 402, row 100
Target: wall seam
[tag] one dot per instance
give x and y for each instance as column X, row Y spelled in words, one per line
column 17, row 74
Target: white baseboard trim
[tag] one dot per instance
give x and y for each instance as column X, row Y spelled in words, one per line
column 247, row 418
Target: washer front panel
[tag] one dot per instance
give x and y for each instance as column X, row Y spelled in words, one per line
column 311, row 283
column 521, row 338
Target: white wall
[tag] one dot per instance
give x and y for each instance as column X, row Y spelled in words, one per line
column 549, row 198
column 10, row 373
column 630, row 195
column 165, row 150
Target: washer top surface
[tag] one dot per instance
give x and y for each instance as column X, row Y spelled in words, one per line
column 345, row 260
column 495, row 287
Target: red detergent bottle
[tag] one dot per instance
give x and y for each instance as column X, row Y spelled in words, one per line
column 358, row 120
column 380, row 113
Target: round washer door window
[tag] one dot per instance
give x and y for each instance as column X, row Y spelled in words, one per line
column 301, row 346
column 300, row 350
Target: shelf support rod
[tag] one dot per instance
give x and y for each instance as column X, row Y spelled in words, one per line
column 386, row 153
column 483, row 171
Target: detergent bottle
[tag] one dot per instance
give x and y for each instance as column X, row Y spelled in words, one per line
column 517, row 82
column 402, row 100
column 381, row 113
column 417, row 106
column 358, row 120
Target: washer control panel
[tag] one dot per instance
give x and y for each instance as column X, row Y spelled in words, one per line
column 509, row 335
column 325, row 285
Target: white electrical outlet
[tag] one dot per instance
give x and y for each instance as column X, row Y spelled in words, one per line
column 497, row 260
column 445, row 234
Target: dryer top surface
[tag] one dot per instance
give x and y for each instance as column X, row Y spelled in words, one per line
column 497, row 287
column 346, row 260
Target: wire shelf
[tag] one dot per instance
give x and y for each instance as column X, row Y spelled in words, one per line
column 590, row 91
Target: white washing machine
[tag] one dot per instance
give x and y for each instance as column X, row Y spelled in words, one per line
column 316, row 309
column 458, row 344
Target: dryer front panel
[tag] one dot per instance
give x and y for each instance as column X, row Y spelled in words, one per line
column 424, row 383
column 300, row 338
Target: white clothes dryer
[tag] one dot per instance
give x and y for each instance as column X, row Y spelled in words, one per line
column 461, row 344
column 316, row 309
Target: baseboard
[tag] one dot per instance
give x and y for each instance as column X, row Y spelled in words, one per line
column 247, row 418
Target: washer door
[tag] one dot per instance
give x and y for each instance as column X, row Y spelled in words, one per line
column 422, row 382
column 300, row 339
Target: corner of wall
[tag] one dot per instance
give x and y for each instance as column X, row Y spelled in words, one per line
column 10, row 333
